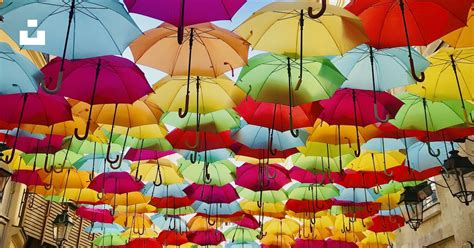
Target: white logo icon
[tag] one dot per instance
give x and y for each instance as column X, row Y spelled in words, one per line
column 39, row 40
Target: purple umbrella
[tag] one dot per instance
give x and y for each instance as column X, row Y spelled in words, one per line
column 208, row 237
column 144, row 154
column 211, row 193
column 100, row 80
column 183, row 13
column 115, row 182
column 262, row 177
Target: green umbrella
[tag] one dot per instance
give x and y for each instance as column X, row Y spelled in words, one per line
column 418, row 113
column 269, row 196
column 394, row 187
column 239, row 234
column 109, row 240
column 267, row 78
column 220, row 172
column 63, row 159
column 176, row 211
column 88, row 147
column 304, row 191
column 317, row 164
column 217, row 121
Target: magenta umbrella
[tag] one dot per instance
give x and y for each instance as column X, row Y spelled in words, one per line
column 330, row 243
column 183, row 13
column 32, row 108
column 262, row 177
column 145, row 154
column 349, row 107
column 309, row 243
column 27, row 177
column 212, row 193
column 306, row 176
column 208, row 237
column 49, row 144
column 116, row 183
column 95, row 214
column 248, row 221
column 100, row 80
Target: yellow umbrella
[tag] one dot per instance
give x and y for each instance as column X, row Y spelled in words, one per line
column 378, row 238
column 344, row 134
column 449, row 77
column 314, row 231
column 214, row 94
column 151, row 131
column 201, row 223
column 146, row 233
column 275, row 210
column 326, row 150
column 17, row 163
column 81, row 195
column 130, row 198
column 377, row 161
column 347, row 236
column 140, row 208
column 70, row 178
column 346, row 224
column 137, row 221
column 307, row 216
column 462, row 37
column 281, row 227
column 163, row 171
column 389, row 201
column 281, row 241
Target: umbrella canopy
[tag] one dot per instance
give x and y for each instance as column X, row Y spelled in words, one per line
column 238, row 234
column 462, row 37
column 109, row 240
column 95, row 214
column 115, row 182
column 19, row 75
column 217, row 121
column 258, row 137
column 262, row 177
column 212, row 194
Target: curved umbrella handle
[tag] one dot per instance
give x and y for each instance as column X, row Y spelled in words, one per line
column 259, row 204
column 206, row 176
column 321, row 11
column 231, row 68
column 269, row 175
column 376, row 114
column 357, row 152
column 413, row 72
column 261, row 234
column 211, row 222
column 182, row 113
column 172, row 227
column 109, row 146
column 158, row 175
column 45, row 166
column 91, row 176
column 100, row 195
column 61, row 169
column 431, row 152
column 8, row 158
column 193, row 157
column 58, row 84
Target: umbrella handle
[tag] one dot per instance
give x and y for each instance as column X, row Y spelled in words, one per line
column 91, row 176
column 158, row 174
column 173, row 227
column 269, row 175
column 100, row 195
column 320, row 13
column 86, row 132
column 376, row 114
column 196, row 142
column 431, row 151
column 48, row 186
column 231, row 68
column 211, row 222
column 186, row 108
column 58, row 171
column 206, row 176
column 413, row 72
column 357, row 152
column 261, row 235
column 193, row 157
column 58, row 84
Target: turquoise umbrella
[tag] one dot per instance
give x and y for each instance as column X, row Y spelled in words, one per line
column 421, row 159
column 17, row 73
column 162, row 191
column 383, row 144
column 170, row 223
column 213, row 155
column 216, row 208
column 73, row 29
column 242, row 245
column 104, row 228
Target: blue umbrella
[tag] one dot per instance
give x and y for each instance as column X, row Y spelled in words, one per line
column 420, row 158
column 383, row 144
column 73, row 29
column 170, row 223
column 162, row 191
column 242, row 245
column 103, row 228
column 367, row 68
column 17, row 73
column 213, row 155
column 96, row 163
column 257, row 137
column 356, row 195
column 216, row 208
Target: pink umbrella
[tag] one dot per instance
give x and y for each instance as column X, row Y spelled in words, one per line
column 306, row 176
column 262, row 177
column 349, row 107
column 208, row 237
column 27, row 177
column 95, row 214
column 49, row 144
column 42, row 109
column 184, row 13
column 100, row 80
column 248, row 221
column 211, row 193
column 308, row 243
column 116, row 183
column 144, row 154
column 330, row 243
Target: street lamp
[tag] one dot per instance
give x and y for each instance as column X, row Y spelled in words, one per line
column 411, row 203
column 457, row 171
column 62, row 226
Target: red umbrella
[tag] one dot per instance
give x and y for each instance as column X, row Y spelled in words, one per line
column 349, row 107
column 262, row 177
column 95, row 214
column 306, row 176
column 248, row 221
column 144, row 154
column 27, row 177
column 211, row 193
column 383, row 223
column 363, row 179
column 172, row 238
column 403, row 173
column 208, row 237
column 40, row 109
column 395, row 23
column 92, row 80
column 49, row 144
column 243, row 150
column 277, row 116
column 361, row 210
column 308, row 206
column 171, row 202
column 116, row 183
column 330, row 243
column 308, row 243
column 144, row 242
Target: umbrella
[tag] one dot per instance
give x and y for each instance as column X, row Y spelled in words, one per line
column 171, row 223
column 109, row 240
column 450, row 69
column 267, row 78
column 217, row 121
column 41, row 109
column 209, row 237
column 162, row 171
column 115, row 182
column 144, row 242
column 239, row 234
column 87, row 28
column 409, row 25
column 248, row 221
column 178, row 12
column 262, row 177
column 95, row 214
column 172, row 238
column 243, row 152
column 19, row 75
column 376, row 161
column 220, row 173
column 211, row 193
column 271, row 196
column 171, row 202
column 173, row 190
column 145, row 154
column 104, row 228
column 462, row 37
column 92, row 80
column 388, row 67
column 308, row 176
